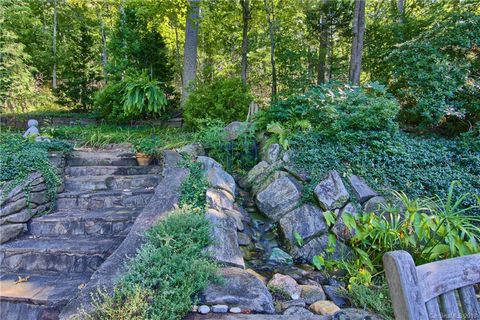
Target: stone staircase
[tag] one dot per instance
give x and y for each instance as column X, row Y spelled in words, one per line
column 43, row 269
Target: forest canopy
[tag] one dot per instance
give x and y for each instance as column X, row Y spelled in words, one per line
column 84, row 55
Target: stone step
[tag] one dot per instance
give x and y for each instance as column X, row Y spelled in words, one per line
column 111, row 170
column 219, row 316
column 104, row 199
column 78, row 255
column 107, row 182
column 109, row 221
column 40, row 297
column 101, row 158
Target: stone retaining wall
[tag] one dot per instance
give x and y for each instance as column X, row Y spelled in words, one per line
column 24, row 201
column 277, row 187
column 20, row 122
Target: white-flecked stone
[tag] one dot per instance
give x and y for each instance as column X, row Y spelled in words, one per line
column 203, row 309
column 220, row 308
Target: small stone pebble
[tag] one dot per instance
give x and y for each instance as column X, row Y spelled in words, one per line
column 203, row 309
column 235, row 310
column 220, row 308
column 324, row 307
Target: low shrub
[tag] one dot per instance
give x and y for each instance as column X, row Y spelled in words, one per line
column 20, row 157
column 435, row 76
column 158, row 283
column 224, row 99
column 429, row 229
column 135, row 97
column 337, row 111
column 194, row 187
column 418, row 166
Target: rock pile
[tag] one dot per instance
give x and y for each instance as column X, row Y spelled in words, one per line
column 25, row 200
column 277, row 188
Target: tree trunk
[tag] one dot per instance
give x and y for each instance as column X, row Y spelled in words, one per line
column 104, row 48
column 191, row 43
column 357, row 42
column 54, row 46
column 270, row 17
column 323, row 49
column 246, row 16
column 401, row 11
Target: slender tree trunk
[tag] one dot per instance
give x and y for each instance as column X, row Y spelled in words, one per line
column 357, row 43
column 330, row 55
column 246, row 16
column 104, row 48
column 323, row 49
column 54, row 46
column 401, row 11
column 270, row 17
column 191, row 46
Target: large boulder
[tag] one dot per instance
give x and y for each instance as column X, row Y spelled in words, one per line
column 208, row 163
column 261, row 173
column 279, row 197
column 375, row 204
column 225, row 248
column 239, row 288
column 331, row 192
column 319, row 246
column 272, row 153
column 219, row 199
column 307, row 221
column 361, row 189
column 220, row 179
column 234, row 129
column 260, row 185
column 285, row 285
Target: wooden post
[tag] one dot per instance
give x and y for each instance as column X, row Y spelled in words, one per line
column 405, row 290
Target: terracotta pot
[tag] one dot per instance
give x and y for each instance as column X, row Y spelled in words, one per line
column 143, row 159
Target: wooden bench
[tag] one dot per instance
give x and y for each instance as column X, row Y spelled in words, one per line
column 437, row 290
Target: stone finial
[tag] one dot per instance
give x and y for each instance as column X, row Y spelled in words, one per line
column 32, row 128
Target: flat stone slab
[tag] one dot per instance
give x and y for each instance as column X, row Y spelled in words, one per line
column 99, row 158
column 216, row 316
column 112, row 221
column 40, row 289
column 109, row 182
column 225, row 248
column 111, row 170
column 56, row 254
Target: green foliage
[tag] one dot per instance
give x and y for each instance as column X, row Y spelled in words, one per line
column 143, row 97
column 418, row 166
column 238, row 155
column 298, row 239
column 132, row 98
column 159, row 282
column 148, row 146
column 136, row 46
column 194, row 187
column 335, row 110
column 224, row 99
column 372, row 297
column 108, row 101
column 429, row 229
column 102, row 135
column 434, row 75
column 20, row 157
